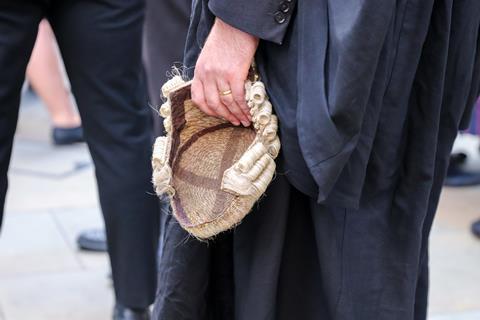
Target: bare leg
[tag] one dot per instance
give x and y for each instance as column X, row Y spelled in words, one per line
column 45, row 75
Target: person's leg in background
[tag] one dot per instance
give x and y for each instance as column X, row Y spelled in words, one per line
column 100, row 42
column 163, row 43
column 18, row 30
column 44, row 73
column 163, row 46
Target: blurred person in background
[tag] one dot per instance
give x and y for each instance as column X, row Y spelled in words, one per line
column 462, row 171
column 163, row 46
column 100, row 42
column 370, row 95
column 45, row 75
column 472, row 178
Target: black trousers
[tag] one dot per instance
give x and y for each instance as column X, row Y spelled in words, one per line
column 163, row 45
column 100, row 41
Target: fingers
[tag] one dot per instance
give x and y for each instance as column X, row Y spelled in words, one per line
column 198, row 97
column 231, row 104
column 207, row 96
column 212, row 97
column 238, row 94
column 223, row 64
column 210, row 81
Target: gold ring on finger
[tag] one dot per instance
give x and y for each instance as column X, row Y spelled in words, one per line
column 226, row 92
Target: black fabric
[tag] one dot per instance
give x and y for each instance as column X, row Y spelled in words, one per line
column 166, row 25
column 195, row 278
column 296, row 259
column 346, row 79
column 267, row 19
column 100, row 42
column 163, row 47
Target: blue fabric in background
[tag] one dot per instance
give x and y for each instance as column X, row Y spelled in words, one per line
column 475, row 122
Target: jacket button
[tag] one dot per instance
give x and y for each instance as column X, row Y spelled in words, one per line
column 284, row 7
column 279, row 17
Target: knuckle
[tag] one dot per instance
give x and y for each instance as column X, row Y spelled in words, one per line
column 198, row 73
column 208, row 68
column 209, row 101
column 239, row 98
column 229, row 73
column 213, row 106
column 228, row 100
column 223, row 110
column 239, row 95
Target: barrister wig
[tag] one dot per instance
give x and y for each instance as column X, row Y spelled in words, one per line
column 213, row 171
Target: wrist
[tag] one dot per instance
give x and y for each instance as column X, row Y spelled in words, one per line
column 241, row 37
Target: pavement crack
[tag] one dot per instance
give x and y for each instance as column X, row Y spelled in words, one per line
column 64, row 235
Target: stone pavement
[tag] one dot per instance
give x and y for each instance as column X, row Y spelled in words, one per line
column 52, row 197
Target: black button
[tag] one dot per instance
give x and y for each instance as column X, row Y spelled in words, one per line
column 279, row 17
column 284, row 7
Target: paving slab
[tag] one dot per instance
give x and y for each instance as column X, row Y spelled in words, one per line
column 474, row 315
column 34, row 122
column 455, row 253
column 30, row 193
column 60, row 296
column 43, row 176
column 454, row 273
column 52, row 197
column 32, row 243
column 71, row 223
column 42, row 159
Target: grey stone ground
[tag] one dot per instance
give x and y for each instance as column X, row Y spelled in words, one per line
column 52, row 197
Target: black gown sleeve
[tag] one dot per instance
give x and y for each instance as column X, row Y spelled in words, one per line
column 268, row 19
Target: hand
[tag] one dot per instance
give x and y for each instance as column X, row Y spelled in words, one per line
column 222, row 67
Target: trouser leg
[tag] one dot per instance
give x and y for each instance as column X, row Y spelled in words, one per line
column 163, row 46
column 164, row 41
column 18, row 30
column 101, row 45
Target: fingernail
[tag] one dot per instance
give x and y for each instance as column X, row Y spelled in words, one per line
column 236, row 123
column 246, row 123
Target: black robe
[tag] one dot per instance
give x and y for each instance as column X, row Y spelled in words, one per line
column 370, row 95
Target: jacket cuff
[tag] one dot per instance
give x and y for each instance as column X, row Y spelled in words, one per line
column 267, row 20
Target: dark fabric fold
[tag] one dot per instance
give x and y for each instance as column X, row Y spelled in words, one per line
column 370, row 95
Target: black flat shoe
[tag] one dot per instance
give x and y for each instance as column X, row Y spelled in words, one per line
column 65, row 136
column 123, row 313
column 457, row 176
column 476, row 228
column 92, row 240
